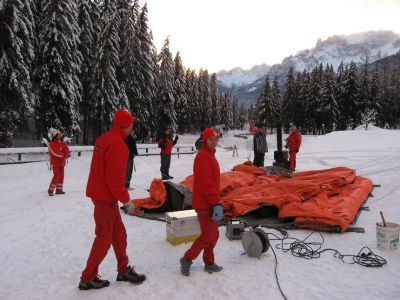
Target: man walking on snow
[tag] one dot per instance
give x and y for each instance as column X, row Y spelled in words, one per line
column 293, row 143
column 106, row 186
column 205, row 201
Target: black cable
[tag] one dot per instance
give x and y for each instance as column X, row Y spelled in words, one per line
column 276, row 274
column 312, row 250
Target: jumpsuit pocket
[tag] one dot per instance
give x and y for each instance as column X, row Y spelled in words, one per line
column 103, row 225
column 104, row 217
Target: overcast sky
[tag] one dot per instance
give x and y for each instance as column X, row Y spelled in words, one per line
column 223, row 34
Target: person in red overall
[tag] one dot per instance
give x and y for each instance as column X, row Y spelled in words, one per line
column 166, row 143
column 293, row 143
column 106, row 186
column 205, row 200
column 59, row 153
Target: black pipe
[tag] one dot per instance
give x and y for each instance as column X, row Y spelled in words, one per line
column 279, row 136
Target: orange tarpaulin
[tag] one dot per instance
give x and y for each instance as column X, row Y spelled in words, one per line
column 314, row 199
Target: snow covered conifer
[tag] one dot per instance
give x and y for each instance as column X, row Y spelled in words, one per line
column 88, row 20
column 166, row 111
column 276, row 100
column 204, row 100
column 328, row 108
column 351, row 96
column 59, row 65
column 146, row 58
column 181, row 105
column 105, row 87
column 264, row 108
column 215, row 104
column 16, row 58
column 289, row 99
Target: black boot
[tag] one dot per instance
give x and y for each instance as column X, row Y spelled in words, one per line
column 185, row 266
column 130, row 275
column 94, row 284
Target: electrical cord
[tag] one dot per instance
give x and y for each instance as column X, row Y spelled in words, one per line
column 312, row 250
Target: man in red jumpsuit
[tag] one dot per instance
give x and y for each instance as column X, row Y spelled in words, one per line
column 293, row 143
column 59, row 153
column 106, row 186
column 205, row 200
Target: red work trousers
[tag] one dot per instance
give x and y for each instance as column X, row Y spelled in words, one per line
column 292, row 159
column 58, row 179
column 207, row 239
column 109, row 231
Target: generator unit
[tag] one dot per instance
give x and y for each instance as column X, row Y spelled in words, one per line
column 234, row 230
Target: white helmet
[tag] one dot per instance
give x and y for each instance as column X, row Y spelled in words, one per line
column 53, row 132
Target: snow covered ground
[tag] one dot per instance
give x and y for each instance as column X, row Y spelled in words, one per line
column 45, row 240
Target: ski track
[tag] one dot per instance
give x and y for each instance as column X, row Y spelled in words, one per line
column 46, row 240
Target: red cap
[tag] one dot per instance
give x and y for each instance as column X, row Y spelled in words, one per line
column 123, row 118
column 209, row 132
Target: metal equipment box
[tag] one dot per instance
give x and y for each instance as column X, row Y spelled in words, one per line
column 182, row 226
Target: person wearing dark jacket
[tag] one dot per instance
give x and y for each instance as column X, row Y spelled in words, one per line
column 199, row 141
column 260, row 146
column 166, row 143
column 130, row 141
column 205, row 200
column 105, row 187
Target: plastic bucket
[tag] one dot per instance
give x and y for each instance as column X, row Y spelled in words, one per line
column 387, row 237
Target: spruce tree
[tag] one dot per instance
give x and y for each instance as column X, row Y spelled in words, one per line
column 351, row 96
column 166, row 112
column 302, row 88
column 328, row 108
column 276, row 101
column 146, row 63
column 340, row 99
column 17, row 49
column 59, row 65
column 205, row 99
column 105, row 88
column 289, row 99
column 264, row 110
column 88, row 20
column 215, row 105
column 181, row 105
column 372, row 106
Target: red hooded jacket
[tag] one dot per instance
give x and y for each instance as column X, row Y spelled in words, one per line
column 106, row 181
column 59, row 152
column 206, row 179
column 294, row 141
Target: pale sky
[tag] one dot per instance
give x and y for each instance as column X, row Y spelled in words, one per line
column 223, row 34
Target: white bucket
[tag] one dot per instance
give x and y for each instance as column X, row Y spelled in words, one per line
column 387, row 237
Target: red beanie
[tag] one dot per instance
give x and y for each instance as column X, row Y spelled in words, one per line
column 123, row 118
column 209, row 132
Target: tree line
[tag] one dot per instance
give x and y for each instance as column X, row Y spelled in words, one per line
column 323, row 100
column 72, row 63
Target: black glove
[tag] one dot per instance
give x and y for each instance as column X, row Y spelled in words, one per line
column 297, row 150
column 176, row 138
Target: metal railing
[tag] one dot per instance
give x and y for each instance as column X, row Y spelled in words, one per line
column 15, row 155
